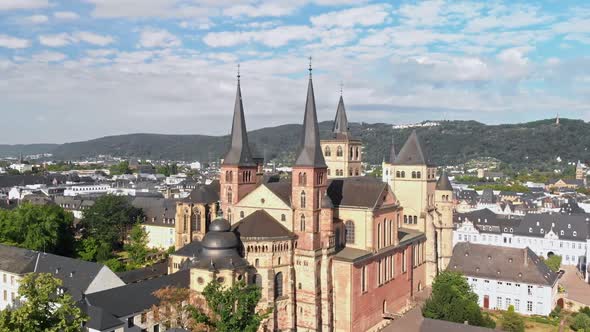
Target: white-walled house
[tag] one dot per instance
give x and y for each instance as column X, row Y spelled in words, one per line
column 86, row 189
column 79, row 277
column 502, row 277
column 545, row 233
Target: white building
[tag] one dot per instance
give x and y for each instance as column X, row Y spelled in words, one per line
column 87, row 189
column 22, row 168
column 545, row 233
column 502, row 277
column 78, row 277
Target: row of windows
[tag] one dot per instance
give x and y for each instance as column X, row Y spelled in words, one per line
column 418, row 254
column 411, row 220
column 351, row 172
column 385, row 270
column 246, row 176
column 385, row 233
column 4, row 279
column 354, row 152
column 302, row 178
column 495, row 238
column 195, row 222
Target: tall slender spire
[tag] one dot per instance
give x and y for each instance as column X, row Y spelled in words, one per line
column 239, row 151
column 392, row 151
column 341, row 121
column 310, row 151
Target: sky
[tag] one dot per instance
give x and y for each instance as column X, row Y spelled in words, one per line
column 75, row 70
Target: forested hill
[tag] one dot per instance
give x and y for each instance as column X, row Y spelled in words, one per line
column 534, row 143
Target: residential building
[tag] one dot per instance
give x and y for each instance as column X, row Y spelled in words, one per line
column 502, row 277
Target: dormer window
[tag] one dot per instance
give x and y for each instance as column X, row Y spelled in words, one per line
column 537, row 223
column 561, row 233
column 575, row 233
column 569, row 226
column 511, row 230
column 542, row 231
column 530, row 229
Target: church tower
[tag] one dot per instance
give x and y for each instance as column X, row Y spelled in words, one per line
column 342, row 152
column 309, row 183
column 413, row 181
column 238, row 169
column 444, row 226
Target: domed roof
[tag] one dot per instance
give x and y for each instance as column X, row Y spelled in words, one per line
column 220, row 225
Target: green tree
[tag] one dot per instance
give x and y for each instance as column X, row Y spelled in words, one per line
column 38, row 227
column 109, row 219
column 581, row 322
column 553, row 262
column 44, row 308
column 230, row 309
column 137, row 246
column 172, row 306
column 120, row 168
column 453, row 300
column 511, row 321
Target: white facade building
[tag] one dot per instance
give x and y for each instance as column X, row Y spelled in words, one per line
column 87, row 189
column 502, row 277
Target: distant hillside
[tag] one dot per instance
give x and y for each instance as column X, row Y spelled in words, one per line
column 534, row 144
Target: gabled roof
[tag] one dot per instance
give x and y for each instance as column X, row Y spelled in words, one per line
column 363, row 192
column 412, row 153
column 281, row 189
column 239, row 151
column 340, row 129
column 261, row 225
column 539, row 224
column 156, row 209
column 501, row 263
column 443, row 182
column 310, row 152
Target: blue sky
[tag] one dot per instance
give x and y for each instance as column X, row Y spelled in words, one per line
column 74, row 70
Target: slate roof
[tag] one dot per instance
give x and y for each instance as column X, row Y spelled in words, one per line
column 487, row 196
column 148, row 272
column 340, row 129
column 503, row 263
column 204, row 194
column 75, row 274
column 413, row 321
column 98, row 318
column 392, row 154
column 443, row 182
column 356, row 191
column 137, row 297
column 486, row 221
column 539, row 224
column 310, row 152
column 282, row 190
column 261, row 225
column 156, row 210
column 239, row 151
column 412, row 153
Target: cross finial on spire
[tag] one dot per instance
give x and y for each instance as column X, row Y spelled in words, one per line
column 238, row 72
column 341, row 86
column 310, row 66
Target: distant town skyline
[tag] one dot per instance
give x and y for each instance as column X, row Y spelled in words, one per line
column 72, row 71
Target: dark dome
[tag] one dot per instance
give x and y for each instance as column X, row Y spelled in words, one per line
column 220, row 225
column 220, row 240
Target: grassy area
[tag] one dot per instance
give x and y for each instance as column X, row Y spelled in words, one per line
column 536, row 323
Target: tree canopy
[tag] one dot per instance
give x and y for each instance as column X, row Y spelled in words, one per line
column 553, row 262
column 230, row 309
column 45, row 308
column 38, row 227
column 511, row 321
column 137, row 246
column 453, row 300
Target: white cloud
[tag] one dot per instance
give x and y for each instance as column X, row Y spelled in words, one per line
column 36, row 19
column 101, row 52
column 362, row 16
column 23, row 4
column 154, row 8
column 48, row 56
column 62, row 39
column 13, row 42
column 276, row 37
column 56, row 40
column 271, row 9
column 66, row 15
column 158, row 38
column 93, row 38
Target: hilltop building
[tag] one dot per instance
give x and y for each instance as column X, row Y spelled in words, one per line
column 427, row 203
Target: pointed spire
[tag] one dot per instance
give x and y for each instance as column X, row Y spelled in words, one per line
column 412, row 153
column 239, row 151
column 310, row 152
column 443, row 182
column 392, row 151
column 341, row 121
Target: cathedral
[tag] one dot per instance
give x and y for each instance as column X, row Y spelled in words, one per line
column 331, row 250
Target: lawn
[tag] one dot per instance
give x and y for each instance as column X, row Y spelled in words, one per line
column 535, row 324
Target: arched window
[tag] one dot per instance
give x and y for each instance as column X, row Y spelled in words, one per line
column 185, row 223
column 258, row 280
column 356, row 153
column 350, row 172
column 229, row 215
column 398, row 174
column 349, row 231
column 418, row 174
column 304, row 178
column 405, row 219
column 378, row 235
column 303, row 200
column 356, row 172
column 241, row 214
column 283, row 217
column 196, row 222
column 328, row 172
column 351, row 153
column 278, row 285
column 302, row 223
column 327, row 151
column 403, row 174
column 339, row 151
column 413, row 174
column 415, row 219
column 229, row 195
column 257, row 262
